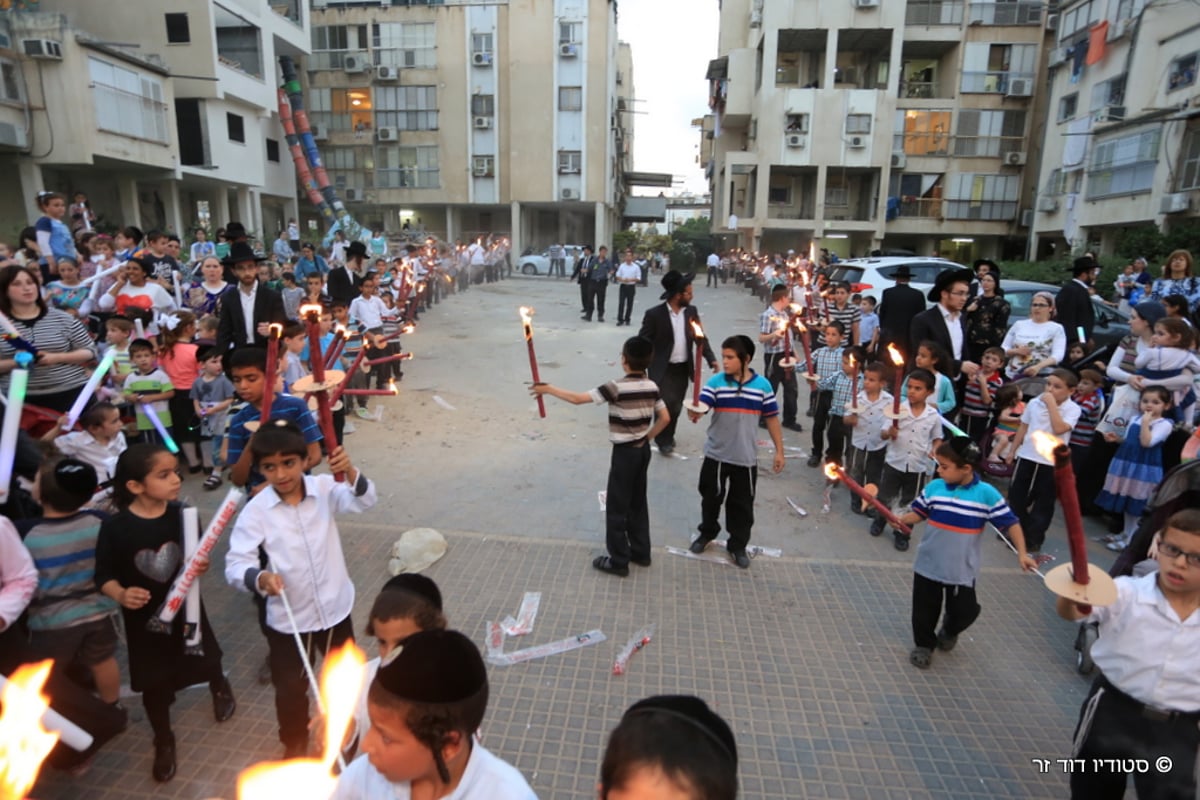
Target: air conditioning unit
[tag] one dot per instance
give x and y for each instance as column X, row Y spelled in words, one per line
column 899, row 161
column 319, row 133
column 1110, row 114
column 45, row 49
column 1015, row 158
column 1118, row 29
column 1052, row 22
column 482, row 122
column 352, row 195
column 1027, row 218
column 1047, row 205
column 385, row 73
column 481, row 59
column 387, row 134
column 1175, row 203
column 354, row 64
column 1058, row 57
column 13, row 136
column 570, row 194
column 1020, row 87
column 568, row 50
column 794, row 140
column 866, row 3
column 481, row 169
column 857, row 142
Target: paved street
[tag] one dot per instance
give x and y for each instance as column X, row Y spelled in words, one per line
column 806, row 655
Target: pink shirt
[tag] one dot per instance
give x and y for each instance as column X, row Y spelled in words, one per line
column 181, row 365
column 18, row 576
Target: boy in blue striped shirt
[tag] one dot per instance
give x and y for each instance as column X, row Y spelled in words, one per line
column 956, row 505
column 739, row 397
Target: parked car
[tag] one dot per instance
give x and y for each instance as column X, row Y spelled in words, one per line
column 539, row 263
column 873, row 275
column 1112, row 324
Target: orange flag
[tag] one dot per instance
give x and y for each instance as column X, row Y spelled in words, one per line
column 1097, row 41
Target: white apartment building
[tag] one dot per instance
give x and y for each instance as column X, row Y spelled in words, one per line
column 461, row 118
column 183, row 95
column 1122, row 144
column 868, row 125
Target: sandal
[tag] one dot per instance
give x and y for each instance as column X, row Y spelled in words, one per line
column 212, row 481
column 921, row 657
column 946, row 643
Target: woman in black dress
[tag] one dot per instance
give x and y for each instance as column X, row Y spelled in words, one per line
column 987, row 317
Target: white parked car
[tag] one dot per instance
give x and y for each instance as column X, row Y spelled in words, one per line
column 539, row 263
column 870, row 276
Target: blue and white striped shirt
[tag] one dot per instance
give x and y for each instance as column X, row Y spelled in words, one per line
column 950, row 547
column 736, row 410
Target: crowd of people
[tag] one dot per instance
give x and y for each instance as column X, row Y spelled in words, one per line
column 96, row 530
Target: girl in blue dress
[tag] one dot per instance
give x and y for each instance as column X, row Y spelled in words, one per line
column 53, row 236
column 1137, row 468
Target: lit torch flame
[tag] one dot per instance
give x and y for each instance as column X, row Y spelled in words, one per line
column 341, row 682
column 24, row 741
column 274, row 330
column 896, row 355
column 527, row 320
column 392, row 386
column 1045, row 444
column 852, row 361
column 409, row 328
column 801, row 327
column 697, row 331
column 310, row 309
column 831, row 471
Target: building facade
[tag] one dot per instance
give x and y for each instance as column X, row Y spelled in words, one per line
column 869, row 125
column 1122, row 144
column 465, row 118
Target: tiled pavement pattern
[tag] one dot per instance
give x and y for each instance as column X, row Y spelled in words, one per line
column 806, row 658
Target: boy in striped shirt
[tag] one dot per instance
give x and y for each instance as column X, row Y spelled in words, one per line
column 956, row 505
column 636, row 414
column 738, row 397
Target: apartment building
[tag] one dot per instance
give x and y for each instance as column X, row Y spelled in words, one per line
column 870, row 125
column 461, row 118
column 1122, row 144
column 183, row 92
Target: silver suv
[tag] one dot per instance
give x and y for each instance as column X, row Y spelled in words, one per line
column 870, row 276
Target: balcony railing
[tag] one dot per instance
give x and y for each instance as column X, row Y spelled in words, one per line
column 918, row 89
column 1018, row 84
column 999, row 210
column 1005, row 13
column 804, row 211
column 408, row 178
column 920, row 207
column 934, row 13
column 130, row 114
column 986, row 146
column 930, row 144
column 288, row 9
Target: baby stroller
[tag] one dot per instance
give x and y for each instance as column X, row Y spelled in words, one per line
column 1030, row 388
column 1180, row 489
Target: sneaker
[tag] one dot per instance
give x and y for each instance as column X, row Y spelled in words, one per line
column 877, row 527
column 946, row 643
column 606, row 564
column 348, row 427
column 1118, row 545
column 900, row 541
column 362, row 413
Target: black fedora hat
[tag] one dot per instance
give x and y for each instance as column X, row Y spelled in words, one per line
column 948, row 278
column 1083, row 264
column 902, row 271
column 980, row 262
column 675, row 282
column 356, row 250
column 240, row 252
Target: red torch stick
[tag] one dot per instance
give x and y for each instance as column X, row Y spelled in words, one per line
column 698, row 336
column 315, row 383
column 388, row 359
column 527, row 324
column 853, row 407
column 335, row 347
column 898, row 362
column 834, row 472
column 804, row 343
column 274, row 332
column 391, row 390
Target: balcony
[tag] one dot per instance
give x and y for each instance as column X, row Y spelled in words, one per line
column 987, row 146
column 136, row 115
column 915, row 207
column 288, row 9
column 1013, row 84
column 792, row 193
column 408, row 178
column 239, row 45
column 1018, row 13
column 934, row 13
column 997, row 210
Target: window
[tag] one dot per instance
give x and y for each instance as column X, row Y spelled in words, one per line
column 984, row 197
column 332, row 43
column 922, row 133
column 991, row 68
column 1124, row 165
column 483, row 166
column 988, row 133
column 570, row 32
column 570, row 98
column 408, row 108
column 1108, row 93
column 409, row 168
column 10, row 83
column 128, row 103
column 406, row 45
column 481, row 43
column 237, row 127
column 273, row 150
column 796, row 123
column 1182, row 72
column 1067, row 106
column 858, row 123
column 570, row 162
column 237, row 42
column 1079, row 18
column 177, row 29
column 779, row 195
column 483, row 105
column 1189, row 166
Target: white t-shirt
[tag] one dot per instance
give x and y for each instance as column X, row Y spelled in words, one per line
column 486, row 778
column 1048, row 340
column 714, row 261
column 1037, row 417
column 629, row 272
column 368, row 310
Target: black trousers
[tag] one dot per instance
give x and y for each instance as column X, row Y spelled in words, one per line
column 961, row 609
column 733, row 486
column 597, row 292
column 584, row 295
column 672, row 388
column 380, row 372
column 896, row 484
column 1122, row 729
column 821, row 421
column 291, row 681
column 864, row 466
column 710, row 277
column 1031, row 495
column 782, row 376
column 975, row 428
column 627, row 515
column 836, row 437
column 625, row 301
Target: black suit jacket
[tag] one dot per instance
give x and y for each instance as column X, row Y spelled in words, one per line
column 1073, row 309
column 342, row 284
column 931, row 325
column 897, row 307
column 231, row 325
column 656, row 326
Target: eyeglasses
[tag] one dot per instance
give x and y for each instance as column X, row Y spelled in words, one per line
column 959, row 294
column 1039, row 305
column 1172, row 552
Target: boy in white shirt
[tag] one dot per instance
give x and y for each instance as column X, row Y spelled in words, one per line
column 99, row 444
column 867, row 445
column 292, row 521
column 911, row 442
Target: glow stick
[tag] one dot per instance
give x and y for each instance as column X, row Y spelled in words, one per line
column 71, row 734
column 18, row 383
column 101, row 274
column 89, row 388
column 1082, row 337
column 139, row 329
column 150, row 413
column 957, row 431
column 8, row 326
column 191, row 539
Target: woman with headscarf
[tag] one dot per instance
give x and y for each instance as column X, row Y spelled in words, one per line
column 987, row 317
column 1034, row 346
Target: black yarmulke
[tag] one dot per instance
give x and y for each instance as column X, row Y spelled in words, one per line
column 76, row 478
column 694, row 712
column 416, row 584
column 436, row 666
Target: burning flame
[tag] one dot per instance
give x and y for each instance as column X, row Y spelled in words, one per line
column 812, row 252
column 800, row 326
column 392, row 386
column 310, row 309
column 794, row 308
column 897, row 357
column 341, row 682
column 24, row 742
column 853, row 363
column 1045, row 445
column 409, row 328
column 274, row 330
column 697, row 331
column 831, row 471
column 527, row 321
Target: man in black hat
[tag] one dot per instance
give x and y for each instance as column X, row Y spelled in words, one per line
column 671, row 327
column 897, row 307
column 583, row 273
column 945, row 323
column 247, row 309
column 343, row 282
column 1073, row 305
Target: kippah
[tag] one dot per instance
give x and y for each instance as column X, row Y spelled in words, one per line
column 434, row 667
column 694, row 712
column 76, row 478
column 419, row 585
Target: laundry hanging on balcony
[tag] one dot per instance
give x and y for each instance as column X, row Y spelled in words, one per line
column 1097, row 42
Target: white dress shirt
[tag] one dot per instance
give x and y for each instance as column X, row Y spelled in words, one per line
column 865, row 435
column 304, row 547
column 1037, row 417
column 713, row 261
column 486, row 777
column 679, row 326
column 953, row 325
column 369, row 311
column 85, row 447
column 629, row 272
column 1145, row 650
column 909, row 450
column 247, row 301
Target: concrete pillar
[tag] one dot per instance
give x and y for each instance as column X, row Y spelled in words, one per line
column 603, row 232
column 30, row 181
column 518, row 230
column 245, row 214
column 256, row 216
column 174, row 214
column 453, row 223
column 220, row 208
column 127, row 191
